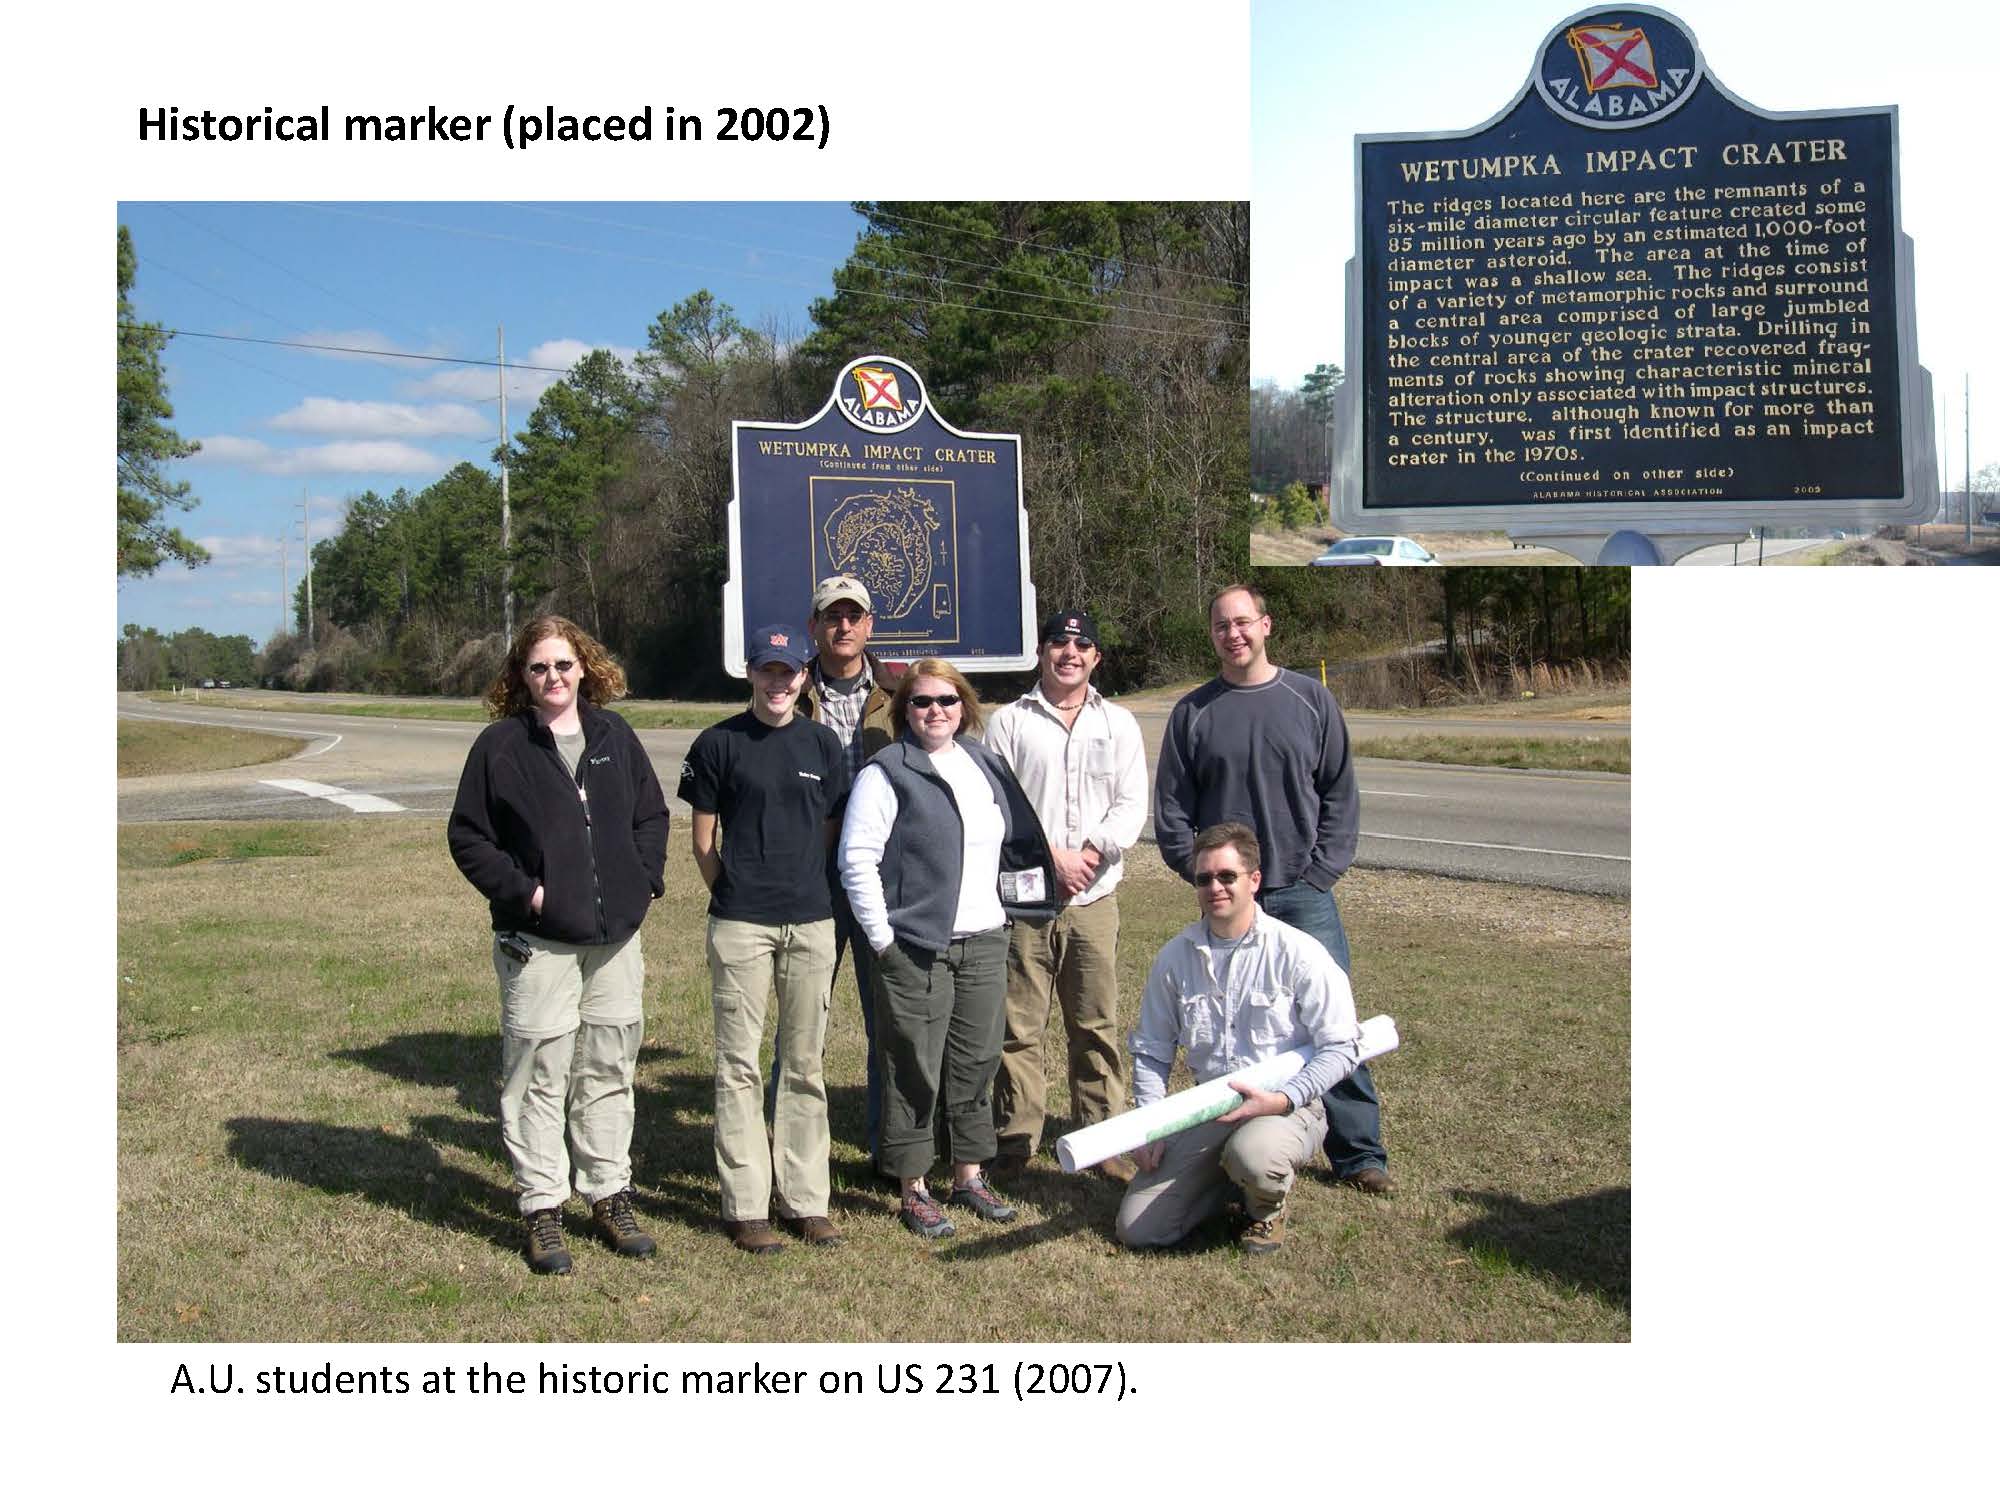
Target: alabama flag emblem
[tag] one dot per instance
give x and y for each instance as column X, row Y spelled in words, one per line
column 878, row 389
column 1614, row 57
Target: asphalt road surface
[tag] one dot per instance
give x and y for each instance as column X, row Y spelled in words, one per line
column 1566, row 831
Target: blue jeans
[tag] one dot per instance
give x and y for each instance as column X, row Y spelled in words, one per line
column 1353, row 1114
column 847, row 937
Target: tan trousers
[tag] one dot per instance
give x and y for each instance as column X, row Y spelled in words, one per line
column 1071, row 958
column 571, row 1020
column 746, row 960
column 1260, row 1157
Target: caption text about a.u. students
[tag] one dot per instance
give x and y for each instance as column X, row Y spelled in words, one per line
column 1020, row 1380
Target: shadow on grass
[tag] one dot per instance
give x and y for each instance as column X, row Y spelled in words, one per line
column 1585, row 1242
column 401, row 1172
column 673, row 1145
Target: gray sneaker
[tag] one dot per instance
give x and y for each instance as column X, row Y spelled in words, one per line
column 978, row 1196
column 546, row 1252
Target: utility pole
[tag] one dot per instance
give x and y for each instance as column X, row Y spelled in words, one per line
column 506, row 514
column 284, row 579
column 1967, row 406
column 305, row 534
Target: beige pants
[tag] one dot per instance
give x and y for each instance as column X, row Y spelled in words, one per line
column 746, row 961
column 1071, row 958
column 571, row 1020
column 1261, row 1157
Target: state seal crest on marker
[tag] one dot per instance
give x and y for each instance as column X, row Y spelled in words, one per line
column 1614, row 68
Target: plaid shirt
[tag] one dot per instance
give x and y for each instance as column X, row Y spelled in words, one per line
column 841, row 711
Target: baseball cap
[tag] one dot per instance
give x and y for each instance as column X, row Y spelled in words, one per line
column 1081, row 624
column 780, row 641
column 842, row 589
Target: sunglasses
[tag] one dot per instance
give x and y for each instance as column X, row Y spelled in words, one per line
column 1204, row 878
column 1077, row 639
column 949, row 699
column 560, row 667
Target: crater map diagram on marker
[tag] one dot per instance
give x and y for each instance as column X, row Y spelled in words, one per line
column 894, row 539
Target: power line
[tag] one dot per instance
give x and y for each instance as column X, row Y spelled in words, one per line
column 272, row 262
column 310, row 345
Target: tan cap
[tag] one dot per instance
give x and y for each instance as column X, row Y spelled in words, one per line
column 842, row 589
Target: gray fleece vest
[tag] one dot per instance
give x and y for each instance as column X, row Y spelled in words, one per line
column 925, row 855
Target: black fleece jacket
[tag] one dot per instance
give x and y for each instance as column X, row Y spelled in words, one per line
column 520, row 821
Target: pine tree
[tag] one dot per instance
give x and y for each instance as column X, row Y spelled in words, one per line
column 145, row 442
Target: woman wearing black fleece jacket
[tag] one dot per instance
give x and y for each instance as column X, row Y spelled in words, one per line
column 561, row 824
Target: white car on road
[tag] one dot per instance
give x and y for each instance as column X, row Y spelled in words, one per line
column 1375, row 549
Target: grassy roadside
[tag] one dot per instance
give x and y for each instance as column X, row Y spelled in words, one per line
column 177, row 748
column 1612, row 756
column 307, row 1148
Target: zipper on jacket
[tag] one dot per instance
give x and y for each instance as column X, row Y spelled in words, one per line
column 589, row 832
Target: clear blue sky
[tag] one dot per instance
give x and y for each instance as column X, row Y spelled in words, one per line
column 278, row 424
column 1324, row 70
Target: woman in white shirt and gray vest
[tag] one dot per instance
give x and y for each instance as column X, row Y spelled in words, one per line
column 939, row 849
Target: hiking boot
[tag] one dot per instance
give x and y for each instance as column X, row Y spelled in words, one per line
column 754, row 1236
column 978, row 1196
column 546, row 1252
column 1262, row 1237
column 1371, row 1181
column 814, row 1230
column 1118, row 1169
column 923, row 1217
column 613, row 1220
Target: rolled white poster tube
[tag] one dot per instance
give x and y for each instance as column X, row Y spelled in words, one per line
column 1089, row 1145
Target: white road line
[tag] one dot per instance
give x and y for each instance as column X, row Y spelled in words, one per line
column 1561, row 853
column 1408, row 795
column 354, row 801
column 330, row 739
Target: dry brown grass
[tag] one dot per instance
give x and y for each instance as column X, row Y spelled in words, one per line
column 148, row 748
column 307, row 1150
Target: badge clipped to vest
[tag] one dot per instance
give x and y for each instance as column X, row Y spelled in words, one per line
column 1023, row 887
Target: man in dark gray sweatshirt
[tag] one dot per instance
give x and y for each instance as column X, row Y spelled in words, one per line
column 1268, row 748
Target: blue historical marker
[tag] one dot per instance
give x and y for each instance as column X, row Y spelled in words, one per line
column 1632, row 302
column 876, row 485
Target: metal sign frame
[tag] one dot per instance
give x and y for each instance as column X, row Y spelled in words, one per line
column 1596, row 519
column 734, row 630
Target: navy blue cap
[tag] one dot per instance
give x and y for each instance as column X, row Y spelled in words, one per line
column 780, row 641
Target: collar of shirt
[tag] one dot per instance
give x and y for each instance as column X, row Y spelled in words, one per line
column 1091, row 697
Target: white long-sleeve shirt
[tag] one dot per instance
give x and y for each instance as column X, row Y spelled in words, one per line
column 1087, row 782
column 1282, row 990
column 864, row 837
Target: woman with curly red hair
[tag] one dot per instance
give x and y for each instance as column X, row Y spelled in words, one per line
column 561, row 824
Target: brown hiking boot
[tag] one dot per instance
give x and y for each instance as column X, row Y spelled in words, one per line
column 1118, row 1169
column 546, row 1252
column 1262, row 1237
column 814, row 1230
column 754, row 1236
column 613, row 1220
column 1371, row 1181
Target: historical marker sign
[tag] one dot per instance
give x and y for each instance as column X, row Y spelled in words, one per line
column 877, row 485
column 1632, row 301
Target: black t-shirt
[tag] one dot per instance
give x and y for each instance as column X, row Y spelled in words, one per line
column 774, row 790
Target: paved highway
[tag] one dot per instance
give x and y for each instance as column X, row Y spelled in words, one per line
column 1568, row 831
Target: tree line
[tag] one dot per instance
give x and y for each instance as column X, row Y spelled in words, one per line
column 1112, row 336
